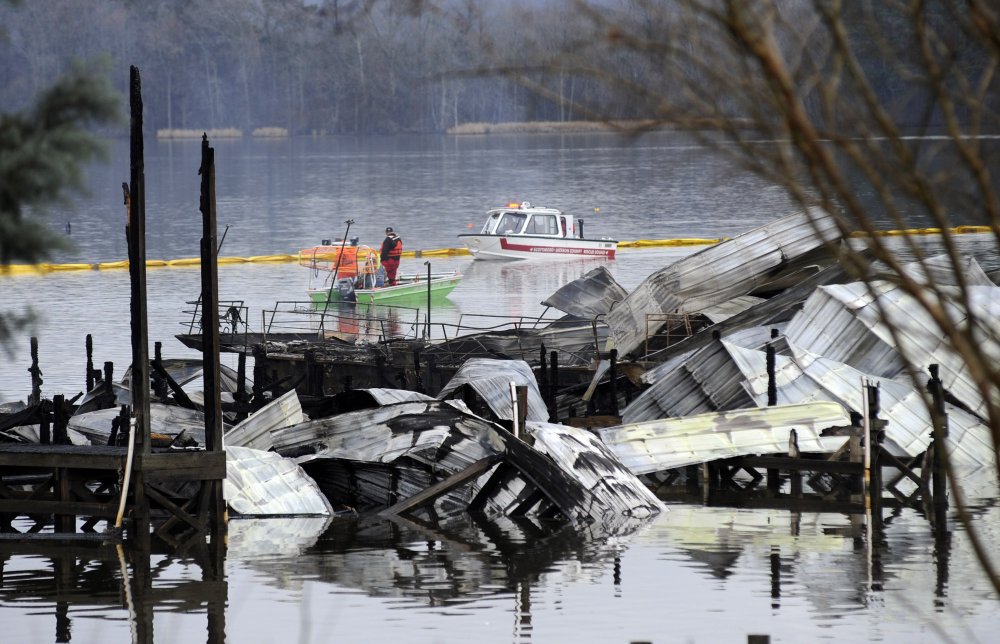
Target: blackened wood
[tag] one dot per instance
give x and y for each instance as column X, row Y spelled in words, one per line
column 135, row 232
column 36, row 375
column 210, row 301
column 90, row 363
column 60, row 420
column 179, row 394
column 772, row 388
column 441, row 487
column 613, row 375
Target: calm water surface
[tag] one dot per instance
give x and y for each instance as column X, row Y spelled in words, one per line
column 695, row 574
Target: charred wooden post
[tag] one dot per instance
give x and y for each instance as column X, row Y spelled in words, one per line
column 45, row 427
column 60, row 420
column 940, row 461
column 135, row 232
column 613, row 376
column 242, row 402
column 159, row 384
column 418, row 383
column 876, row 434
column 521, row 398
column 259, row 376
column 36, row 375
column 772, row 386
column 314, row 374
column 92, row 375
column 214, row 504
column 553, row 385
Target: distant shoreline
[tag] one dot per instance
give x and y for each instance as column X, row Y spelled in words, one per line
column 553, row 127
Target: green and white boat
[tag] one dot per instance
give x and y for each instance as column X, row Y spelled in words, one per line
column 353, row 275
column 408, row 289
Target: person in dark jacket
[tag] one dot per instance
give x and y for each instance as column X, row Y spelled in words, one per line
column 392, row 249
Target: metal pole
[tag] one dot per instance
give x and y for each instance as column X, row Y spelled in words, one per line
column 336, row 268
column 428, row 298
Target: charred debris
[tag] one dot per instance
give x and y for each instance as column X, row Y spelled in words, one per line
column 753, row 371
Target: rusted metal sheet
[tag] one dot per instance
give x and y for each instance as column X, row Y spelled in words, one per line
column 718, row 273
column 491, row 380
column 658, row 445
column 262, row 483
column 590, row 296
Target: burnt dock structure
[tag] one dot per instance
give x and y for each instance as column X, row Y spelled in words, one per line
column 129, row 486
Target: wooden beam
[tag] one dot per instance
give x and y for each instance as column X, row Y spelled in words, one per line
column 441, row 487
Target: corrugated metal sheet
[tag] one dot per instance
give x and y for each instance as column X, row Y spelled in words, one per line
column 939, row 270
column 846, row 324
column 263, row 483
column 667, row 444
column 614, row 490
column 589, row 296
column 718, row 273
column 491, row 380
column 169, row 420
column 255, row 431
column 705, row 381
column 725, row 310
column 392, row 396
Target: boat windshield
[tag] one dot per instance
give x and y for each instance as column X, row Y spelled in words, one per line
column 511, row 223
column 542, row 225
column 490, row 224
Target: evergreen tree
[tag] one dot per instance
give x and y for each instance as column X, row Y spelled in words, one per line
column 43, row 150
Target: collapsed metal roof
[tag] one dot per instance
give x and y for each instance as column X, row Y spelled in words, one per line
column 665, row 444
column 590, row 296
column 255, row 431
column 719, row 273
column 491, row 379
column 851, row 324
column 262, row 483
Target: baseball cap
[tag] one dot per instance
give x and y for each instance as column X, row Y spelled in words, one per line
column 388, row 229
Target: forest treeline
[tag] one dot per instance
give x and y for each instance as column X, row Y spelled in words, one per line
column 368, row 66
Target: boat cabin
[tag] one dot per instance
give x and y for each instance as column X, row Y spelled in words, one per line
column 524, row 219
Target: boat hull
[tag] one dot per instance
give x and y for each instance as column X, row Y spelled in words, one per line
column 410, row 289
column 514, row 247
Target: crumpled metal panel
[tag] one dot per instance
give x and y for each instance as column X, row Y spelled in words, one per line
column 589, row 296
column 255, row 430
column 263, row 483
column 491, row 380
column 704, row 381
column 805, row 377
column 725, row 310
column 383, row 434
column 658, row 445
column 718, row 273
column 169, row 420
column 845, row 323
column 615, row 491
column 940, row 271
column 392, row 396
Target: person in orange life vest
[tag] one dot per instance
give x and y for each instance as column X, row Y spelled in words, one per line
column 392, row 248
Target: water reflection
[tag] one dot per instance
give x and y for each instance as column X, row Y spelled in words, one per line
column 816, row 569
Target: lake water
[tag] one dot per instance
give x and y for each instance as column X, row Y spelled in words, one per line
column 695, row 574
